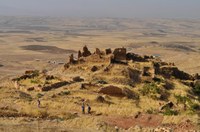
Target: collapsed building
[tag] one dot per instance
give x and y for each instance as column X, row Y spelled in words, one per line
column 120, row 56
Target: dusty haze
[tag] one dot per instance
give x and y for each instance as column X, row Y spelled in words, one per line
column 103, row 8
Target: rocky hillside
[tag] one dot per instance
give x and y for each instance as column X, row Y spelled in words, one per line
column 126, row 91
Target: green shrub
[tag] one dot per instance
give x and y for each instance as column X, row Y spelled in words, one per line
column 182, row 99
column 170, row 112
column 36, row 73
column 196, row 89
column 150, row 111
column 25, row 96
column 194, row 107
column 35, row 81
column 154, row 92
column 39, row 95
column 64, row 93
column 150, row 88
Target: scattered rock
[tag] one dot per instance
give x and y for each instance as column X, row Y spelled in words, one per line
column 94, row 68
column 100, row 99
column 50, row 77
column 168, row 72
column 30, row 89
column 77, row 79
column 54, row 86
column 162, row 129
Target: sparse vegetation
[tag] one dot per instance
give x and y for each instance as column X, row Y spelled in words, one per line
column 133, row 92
column 154, row 91
column 64, row 93
column 196, row 89
column 39, row 95
column 169, row 112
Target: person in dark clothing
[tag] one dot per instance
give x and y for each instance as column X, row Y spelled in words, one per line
column 83, row 106
column 89, row 109
column 38, row 101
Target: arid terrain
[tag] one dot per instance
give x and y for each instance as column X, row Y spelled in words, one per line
column 35, row 64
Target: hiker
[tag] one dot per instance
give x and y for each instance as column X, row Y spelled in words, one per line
column 89, row 109
column 83, row 106
column 38, row 101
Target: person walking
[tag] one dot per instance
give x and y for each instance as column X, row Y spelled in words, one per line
column 89, row 109
column 38, row 103
column 83, row 106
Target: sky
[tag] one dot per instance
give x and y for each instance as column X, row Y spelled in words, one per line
column 103, row 8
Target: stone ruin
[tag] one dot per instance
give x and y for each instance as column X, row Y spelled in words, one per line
column 85, row 52
column 108, row 51
column 119, row 55
column 71, row 59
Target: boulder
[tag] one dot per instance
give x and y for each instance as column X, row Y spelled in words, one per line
column 100, row 99
column 112, row 91
column 77, row 79
column 30, row 89
column 94, row 68
column 129, row 94
column 168, row 72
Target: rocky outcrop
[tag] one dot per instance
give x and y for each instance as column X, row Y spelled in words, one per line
column 72, row 60
column 118, row 92
column 197, row 76
column 136, row 57
column 112, row 91
column 79, row 54
column 27, row 75
column 86, row 52
column 100, row 99
column 98, row 51
column 54, row 86
column 168, row 72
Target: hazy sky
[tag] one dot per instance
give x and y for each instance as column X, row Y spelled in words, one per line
column 103, row 8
